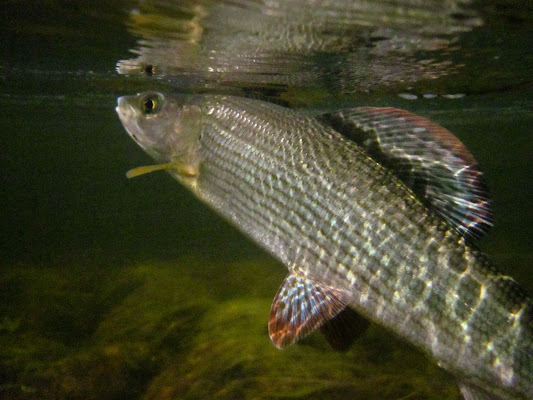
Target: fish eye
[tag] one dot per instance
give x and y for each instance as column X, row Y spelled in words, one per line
column 149, row 105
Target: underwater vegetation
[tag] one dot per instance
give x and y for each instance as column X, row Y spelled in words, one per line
column 158, row 331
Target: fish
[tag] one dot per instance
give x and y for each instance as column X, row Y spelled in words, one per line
column 373, row 210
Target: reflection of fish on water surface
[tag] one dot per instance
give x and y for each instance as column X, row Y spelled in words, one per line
column 352, row 234
column 341, row 46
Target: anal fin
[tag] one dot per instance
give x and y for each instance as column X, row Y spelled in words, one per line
column 343, row 329
column 301, row 306
column 473, row 393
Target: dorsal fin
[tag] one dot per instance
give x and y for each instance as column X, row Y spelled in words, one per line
column 426, row 157
column 301, row 306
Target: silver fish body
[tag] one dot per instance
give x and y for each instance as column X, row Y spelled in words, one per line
column 340, row 220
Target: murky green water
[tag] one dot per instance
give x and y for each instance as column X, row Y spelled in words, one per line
column 115, row 289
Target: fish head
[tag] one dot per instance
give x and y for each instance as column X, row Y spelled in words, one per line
column 166, row 126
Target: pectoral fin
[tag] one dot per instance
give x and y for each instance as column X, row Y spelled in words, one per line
column 146, row 169
column 184, row 170
column 301, row 306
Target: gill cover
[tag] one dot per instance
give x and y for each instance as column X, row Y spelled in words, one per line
column 166, row 128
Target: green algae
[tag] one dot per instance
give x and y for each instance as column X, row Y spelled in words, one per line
column 189, row 329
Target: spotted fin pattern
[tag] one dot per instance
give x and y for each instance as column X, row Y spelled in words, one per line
column 301, row 306
column 428, row 158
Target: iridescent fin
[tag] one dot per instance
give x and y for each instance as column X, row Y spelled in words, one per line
column 343, row 329
column 428, row 158
column 473, row 393
column 301, row 306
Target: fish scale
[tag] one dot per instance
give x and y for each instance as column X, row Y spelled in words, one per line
column 361, row 198
column 334, row 216
column 344, row 201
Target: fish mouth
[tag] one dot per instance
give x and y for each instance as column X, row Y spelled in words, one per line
column 123, row 107
column 127, row 113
